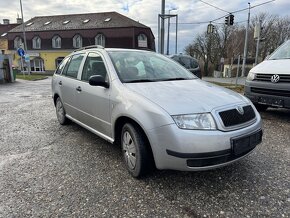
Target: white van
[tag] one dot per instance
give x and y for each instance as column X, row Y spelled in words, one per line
column 268, row 83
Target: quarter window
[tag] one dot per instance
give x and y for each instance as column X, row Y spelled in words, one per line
column 100, row 40
column 74, row 65
column 36, row 42
column 56, row 42
column 77, row 41
column 94, row 65
column 62, row 65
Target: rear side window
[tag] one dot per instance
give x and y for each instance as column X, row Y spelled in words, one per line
column 74, row 66
column 62, row 66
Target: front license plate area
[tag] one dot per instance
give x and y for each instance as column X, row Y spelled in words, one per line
column 271, row 101
column 245, row 144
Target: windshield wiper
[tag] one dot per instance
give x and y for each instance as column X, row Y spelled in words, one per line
column 176, row 78
column 140, row 81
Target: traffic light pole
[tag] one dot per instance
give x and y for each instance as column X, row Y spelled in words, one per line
column 246, row 43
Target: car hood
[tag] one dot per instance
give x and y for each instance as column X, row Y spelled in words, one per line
column 186, row 96
column 273, row 67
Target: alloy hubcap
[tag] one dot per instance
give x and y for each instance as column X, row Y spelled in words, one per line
column 59, row 110
column 129, row 150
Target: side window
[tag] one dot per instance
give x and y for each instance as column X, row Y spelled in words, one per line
column 62, row 65
column 94, row 65
column 185, row 62
column 74, row 65
column 193, row 63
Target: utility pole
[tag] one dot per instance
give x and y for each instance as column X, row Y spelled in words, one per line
column 246, row 43
column 24, row 36
column 258, row 33
column 162, row 27
column 168, row 29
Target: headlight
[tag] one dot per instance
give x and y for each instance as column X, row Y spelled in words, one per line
column 251, row 76
column 195, row 121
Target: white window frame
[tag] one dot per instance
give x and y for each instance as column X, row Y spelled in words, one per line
column 17, row 42
column 56, row 41
column 100, row 39
column 36, row 42
column 77, row 41
column 142, row 41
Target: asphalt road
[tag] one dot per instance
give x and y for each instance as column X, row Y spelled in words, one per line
column 48, row 170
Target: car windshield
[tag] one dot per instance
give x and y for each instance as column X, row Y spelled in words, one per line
column 141, row 66
column 283, row 52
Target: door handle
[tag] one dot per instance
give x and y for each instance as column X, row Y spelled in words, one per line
column 79, row 89
column 60, row 83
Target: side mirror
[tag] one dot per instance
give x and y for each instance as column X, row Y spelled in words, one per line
column 98, row 80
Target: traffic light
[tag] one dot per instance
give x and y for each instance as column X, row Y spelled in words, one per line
column 232, row 19
column 227, row 20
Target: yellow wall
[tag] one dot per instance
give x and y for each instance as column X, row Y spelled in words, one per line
column 50, row 57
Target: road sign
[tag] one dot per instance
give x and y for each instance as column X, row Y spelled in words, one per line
column 27, row 58
column 20, row 52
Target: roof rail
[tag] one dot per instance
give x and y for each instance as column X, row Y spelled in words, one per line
column 89, row 47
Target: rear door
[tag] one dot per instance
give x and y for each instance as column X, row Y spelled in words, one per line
column 70, row 85
column 93, row 102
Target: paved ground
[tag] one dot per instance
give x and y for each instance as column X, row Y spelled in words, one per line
column 48, row 170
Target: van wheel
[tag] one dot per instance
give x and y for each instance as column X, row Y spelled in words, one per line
column 261, row 107
column 60, row 112
column 134, row 150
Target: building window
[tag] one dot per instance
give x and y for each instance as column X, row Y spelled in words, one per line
column 36, row 42
column 17, row 42
column 100, row 40
column 56, row 42
column 142, row 41
column 37, row 65
column 77, row 41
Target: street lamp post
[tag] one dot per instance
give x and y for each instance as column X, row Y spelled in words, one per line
column 168, row 29
column 24, row 36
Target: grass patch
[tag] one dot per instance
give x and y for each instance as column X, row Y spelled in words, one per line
column 30, row 77
column 238, row 88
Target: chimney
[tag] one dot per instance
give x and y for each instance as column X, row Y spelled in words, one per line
column 6, row 21
column 19, row 20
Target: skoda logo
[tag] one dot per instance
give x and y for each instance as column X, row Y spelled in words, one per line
column 275, row 78
column 240, row 110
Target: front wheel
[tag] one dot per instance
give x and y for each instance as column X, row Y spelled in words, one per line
column 135, row 153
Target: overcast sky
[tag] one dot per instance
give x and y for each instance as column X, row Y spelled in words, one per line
column 146, row 12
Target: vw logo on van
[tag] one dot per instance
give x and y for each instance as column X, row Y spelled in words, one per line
column 275, row 78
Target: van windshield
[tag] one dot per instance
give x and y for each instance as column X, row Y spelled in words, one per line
column 282, row 52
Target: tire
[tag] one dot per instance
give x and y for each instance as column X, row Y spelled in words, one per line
column 135, row 153
column 261, row 107
column 60, row 112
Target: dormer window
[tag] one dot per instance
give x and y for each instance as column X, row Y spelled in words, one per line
column 56, row 42
column 77, row 41
column 100, row 40
column 29, row 24
column 46, row 23
column 36, row 42
column 142, row 41
column 86, row 21
column 66, row 22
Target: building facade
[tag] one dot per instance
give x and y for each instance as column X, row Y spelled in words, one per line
column 49, row 39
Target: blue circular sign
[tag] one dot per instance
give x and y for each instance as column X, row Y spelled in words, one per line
column 20, row 52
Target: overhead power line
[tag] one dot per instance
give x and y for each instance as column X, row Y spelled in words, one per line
column 214, row 6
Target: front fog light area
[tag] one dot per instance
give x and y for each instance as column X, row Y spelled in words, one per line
column 202, row 121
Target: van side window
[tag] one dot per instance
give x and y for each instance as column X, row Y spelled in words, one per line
column 94, row 65
column 62, row 65
column 74, row 65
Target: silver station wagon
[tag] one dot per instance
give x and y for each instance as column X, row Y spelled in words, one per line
column 158, row 112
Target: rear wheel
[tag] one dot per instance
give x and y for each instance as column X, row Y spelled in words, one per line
column 60, row 112
column 261, row 107
column 135, row 153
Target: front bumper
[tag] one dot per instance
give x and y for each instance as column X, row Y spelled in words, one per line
column 266, row 93
column 195, row 150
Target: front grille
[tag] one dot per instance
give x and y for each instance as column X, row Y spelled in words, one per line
column 274, row 92
column 233, row 117
column 267, row 77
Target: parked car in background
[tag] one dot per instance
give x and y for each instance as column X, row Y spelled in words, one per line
column 157, row 111
column 189, row 63
column 268, row 83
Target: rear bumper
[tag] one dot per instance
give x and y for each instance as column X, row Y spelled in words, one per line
column 271, row 94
